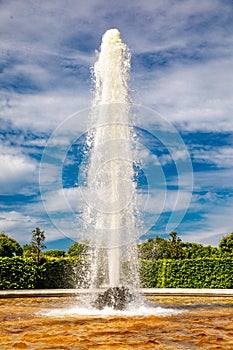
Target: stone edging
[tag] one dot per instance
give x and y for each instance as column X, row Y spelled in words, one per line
column 184, row 292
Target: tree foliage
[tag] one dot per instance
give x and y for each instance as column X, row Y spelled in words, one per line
column 165, row 263
column 149, row 250
column 9, row 247
column 226, row 245
column 174, row 248
column 78, row 249
column 161, row 248
column 17, row 273
column 29, row 251
column 37, row 242
column 55, row 253
column 197, row 250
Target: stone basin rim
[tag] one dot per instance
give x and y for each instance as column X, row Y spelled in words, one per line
column 173, row 292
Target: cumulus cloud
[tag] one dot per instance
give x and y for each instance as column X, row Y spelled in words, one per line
column 195, row 96
column 181, row 66
column 63, row 200
column 53, row 56
column 17, row 224
column 14, row 167
column 222, row 157
column 215, row 224
column 157, row 201
column 18, row 172
column 214, row 180
column 41, row 113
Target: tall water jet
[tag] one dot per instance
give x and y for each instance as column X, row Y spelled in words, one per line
column 110, row 213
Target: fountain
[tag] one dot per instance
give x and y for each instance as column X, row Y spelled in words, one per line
column 110, row 190
column 110, row 216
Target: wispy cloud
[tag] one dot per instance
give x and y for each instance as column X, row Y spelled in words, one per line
column 215, row 224
column 182, row 61
column 18, row 171
column 222, row 157
column 195, row 96
column 20, row 225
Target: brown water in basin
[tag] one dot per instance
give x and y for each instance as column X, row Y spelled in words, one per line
column 204, row 323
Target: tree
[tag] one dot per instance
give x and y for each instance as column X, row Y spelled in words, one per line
column 56, row 253
column 226, row 245
column 78, row 249
column 161, row 248
column 175, row 247
column 29, row 251
column 154, row 249
column 9, row 247
column 37, row 242
column 149, row 250
column 197, row 250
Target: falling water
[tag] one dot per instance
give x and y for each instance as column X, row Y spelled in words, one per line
column 110, row 213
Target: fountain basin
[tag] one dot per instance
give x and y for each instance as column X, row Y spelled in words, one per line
column 200, row 323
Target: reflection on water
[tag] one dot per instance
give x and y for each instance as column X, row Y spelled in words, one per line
column 168, row 323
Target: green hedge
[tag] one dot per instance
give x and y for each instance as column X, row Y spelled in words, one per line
column 23, row 273
column 198, row 273
column 150, row 273
column 62, row 273
column 17, row 273
column 67, row 272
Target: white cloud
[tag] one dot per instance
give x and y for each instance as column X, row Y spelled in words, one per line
column 161, row 25
column 42, row 112
column 20, row 226
column 177, row 155
column 146, row 157
column 56, row 213
column 221, row 156
column 17, row 172
column 63, row 200
column 13, row 167
column 215, row 224
column 196, row 96
column 36, row 142
column 52, row 47
column 17, row 225
column 217, row 180
column 205, row 237
column 157, row 201
column 43, row 36
column 211, row 208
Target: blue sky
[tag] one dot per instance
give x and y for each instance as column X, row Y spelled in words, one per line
column 182, row 68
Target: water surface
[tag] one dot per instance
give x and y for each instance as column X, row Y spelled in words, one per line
column 167, row 323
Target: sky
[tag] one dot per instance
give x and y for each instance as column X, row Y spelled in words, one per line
column 181, row 77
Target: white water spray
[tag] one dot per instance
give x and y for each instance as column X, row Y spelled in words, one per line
column 111, row 71
column 111, row 190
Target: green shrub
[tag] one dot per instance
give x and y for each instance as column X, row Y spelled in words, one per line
column 62, row 273
column 24, row 273
column 198, row 273
column 71, row 272
column 17, row 273
column 55, row 253
column 9, row 247
column 150, row 271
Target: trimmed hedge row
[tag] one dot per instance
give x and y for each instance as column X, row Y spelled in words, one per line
column 17, row 273
column 198, row 273
column 62, row 273
column 66, row 272
column 23, row 273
